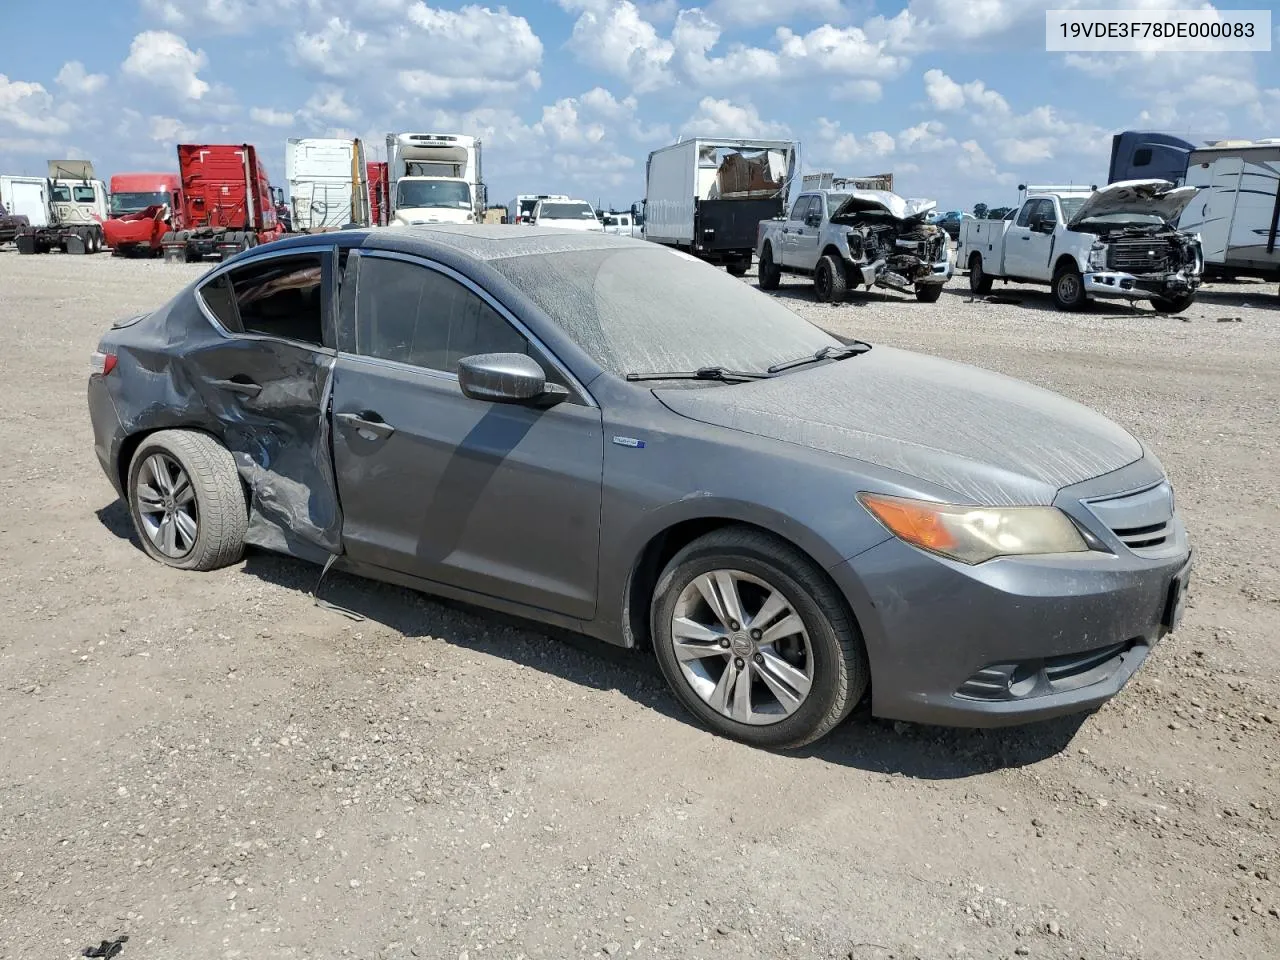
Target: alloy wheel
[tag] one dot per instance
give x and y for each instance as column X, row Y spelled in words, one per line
column 741, row 647
column 166, row 503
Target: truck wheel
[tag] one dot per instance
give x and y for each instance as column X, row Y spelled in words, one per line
column 770, row 275
column 829, row 281
column 928, row 292
column 738, row 268
column 979, row 282
column 1068, row 288
column 1173, row 304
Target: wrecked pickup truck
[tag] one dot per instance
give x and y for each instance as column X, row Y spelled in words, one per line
column 846, row 238
column 1117, row 242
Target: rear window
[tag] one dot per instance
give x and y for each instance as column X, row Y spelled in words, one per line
column 277, row 297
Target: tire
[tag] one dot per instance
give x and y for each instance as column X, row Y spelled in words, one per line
column 830, row 284
column 738, row 268
column 769, row 274
column 216, row 506
column 95, row 240
column 1068, row 288
column 928, row 292
column 979, row 282
column 827, row 648
column 1172, row 304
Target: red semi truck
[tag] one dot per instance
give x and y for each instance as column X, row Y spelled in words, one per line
column 378, row 207
column 144, row 207
column 228, row 203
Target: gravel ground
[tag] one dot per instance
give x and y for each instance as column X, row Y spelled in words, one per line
column 215, row 766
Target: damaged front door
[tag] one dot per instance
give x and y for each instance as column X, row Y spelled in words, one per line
column 264, row 380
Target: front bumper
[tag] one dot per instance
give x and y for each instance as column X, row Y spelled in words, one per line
column 1115, row 285
column 1012, row 640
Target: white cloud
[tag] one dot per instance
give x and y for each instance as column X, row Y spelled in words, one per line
column 171, row 130
column 225, row 16
column 723, row 118
column 271, row 118
column 839, row 50
column 73, row 78
column 329, row 105
column 616, row 39
column 164, row 60
column 945, row 94
column 28, row 108
column 927, row 137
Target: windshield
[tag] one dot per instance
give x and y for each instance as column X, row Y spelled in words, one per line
column 450, row 194
column 60, row 193
column 640, row 310
column 566, row 211
column 133, row 202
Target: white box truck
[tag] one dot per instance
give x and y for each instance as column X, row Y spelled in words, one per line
column 328, row 183
column 434, row 178
column 1237, row 211
column 707, row 197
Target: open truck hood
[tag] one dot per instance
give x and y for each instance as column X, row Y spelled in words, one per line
column 993, row 440
column 880, row 201
column 1152, row 198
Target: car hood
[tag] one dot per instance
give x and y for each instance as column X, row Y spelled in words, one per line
column 880, row 201
column 993, row 440
column 1158, row 198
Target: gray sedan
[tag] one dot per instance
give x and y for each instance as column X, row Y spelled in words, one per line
column 605, row 435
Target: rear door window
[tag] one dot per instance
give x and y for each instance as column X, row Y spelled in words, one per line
column 277, row 297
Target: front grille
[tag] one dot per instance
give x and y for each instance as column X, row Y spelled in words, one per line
column 1142, row 520
column 1140, row 255
column 1041, row 677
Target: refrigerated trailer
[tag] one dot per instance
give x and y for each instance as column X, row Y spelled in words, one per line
column 328, row 184
column 707, row 197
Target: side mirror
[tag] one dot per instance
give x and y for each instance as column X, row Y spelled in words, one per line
column 507, row 378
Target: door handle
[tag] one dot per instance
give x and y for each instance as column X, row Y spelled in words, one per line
column 365, row 424
column 246, row 387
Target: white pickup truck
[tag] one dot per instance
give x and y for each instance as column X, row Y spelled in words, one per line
column 1117, row 242
column 843, row 238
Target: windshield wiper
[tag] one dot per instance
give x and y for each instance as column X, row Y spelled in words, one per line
column 702, row 373
column 853, row 349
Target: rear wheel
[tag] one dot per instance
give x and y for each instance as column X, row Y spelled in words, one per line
column 769, row 274
column 928, row 292
column 1068, row 288
column 1173, row 304
column 979, row 282
column 186, row 500
column 755, row 641
column 738, row 268
column 829, row 281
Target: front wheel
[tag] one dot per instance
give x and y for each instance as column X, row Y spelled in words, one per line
column 830, row 284
column 1173, row 304
column 928, row 292
column 769, row 274
column 1068, row 289
column 755, row 641
column 186, row 500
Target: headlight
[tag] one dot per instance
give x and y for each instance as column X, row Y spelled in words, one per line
column 975, row 534
column 1098, row 256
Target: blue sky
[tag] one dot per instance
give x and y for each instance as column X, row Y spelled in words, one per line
column 957, row 97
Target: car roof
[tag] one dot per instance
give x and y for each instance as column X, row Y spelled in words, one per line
column 485, row 241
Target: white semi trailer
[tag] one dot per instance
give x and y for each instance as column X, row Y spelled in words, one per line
column 328, row 183
column 434, row 178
